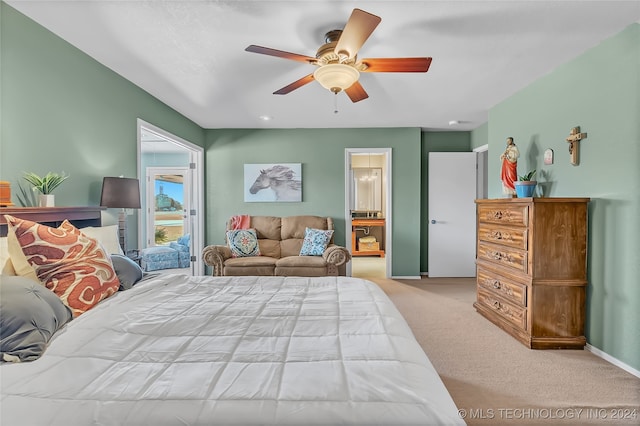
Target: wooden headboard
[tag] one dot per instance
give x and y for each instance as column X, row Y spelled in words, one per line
column 80, row 217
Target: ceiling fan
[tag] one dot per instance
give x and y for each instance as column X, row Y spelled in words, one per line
column 338, row 65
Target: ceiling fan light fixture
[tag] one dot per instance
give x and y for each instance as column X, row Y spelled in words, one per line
column 336, row 77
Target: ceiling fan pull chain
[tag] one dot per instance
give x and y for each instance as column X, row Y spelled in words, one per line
column 335, row 103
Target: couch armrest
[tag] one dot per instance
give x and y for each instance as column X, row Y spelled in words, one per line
column 214, row 256
column 336, row 255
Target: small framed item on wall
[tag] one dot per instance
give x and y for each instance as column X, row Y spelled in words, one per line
column 273, row 182
column 548, row 156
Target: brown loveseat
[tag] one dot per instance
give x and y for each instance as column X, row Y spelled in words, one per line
column 280, row 240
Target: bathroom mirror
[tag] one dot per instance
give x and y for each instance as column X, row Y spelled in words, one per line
column 367, row 189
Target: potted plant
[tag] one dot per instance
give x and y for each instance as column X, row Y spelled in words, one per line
column 525, row 185
column 45, row 185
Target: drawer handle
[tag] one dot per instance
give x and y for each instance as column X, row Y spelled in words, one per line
column 496, row 255
column 497, row 214
column 500, row 257
column 500, row 236
column 502, row 308
column 497, row 285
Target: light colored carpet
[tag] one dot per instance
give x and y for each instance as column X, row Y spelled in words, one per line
column 495, row 379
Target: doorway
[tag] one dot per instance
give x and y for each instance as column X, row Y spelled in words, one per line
column 168, row 218
column 171, row 159
column 368, row 210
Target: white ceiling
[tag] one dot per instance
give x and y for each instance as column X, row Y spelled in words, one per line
column 190, row 54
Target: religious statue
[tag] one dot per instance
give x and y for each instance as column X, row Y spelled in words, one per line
column 509, row 172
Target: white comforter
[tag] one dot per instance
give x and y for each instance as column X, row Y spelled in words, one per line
column 180, row 350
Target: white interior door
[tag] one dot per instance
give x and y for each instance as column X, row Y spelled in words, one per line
column 452, row 214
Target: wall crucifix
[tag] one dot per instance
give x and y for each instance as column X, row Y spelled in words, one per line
column 574, row 144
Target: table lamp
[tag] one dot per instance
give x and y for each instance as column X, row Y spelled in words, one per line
column 121, row 193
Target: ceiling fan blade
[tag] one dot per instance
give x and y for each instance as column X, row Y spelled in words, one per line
column 356, row 92
column 295, row 85
column 280, row 54
column 396, row 64
column 357, row 30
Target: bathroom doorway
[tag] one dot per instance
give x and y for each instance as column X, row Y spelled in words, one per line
column 368, row 211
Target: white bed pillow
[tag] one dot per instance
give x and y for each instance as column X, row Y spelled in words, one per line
column 107, row 236
column 6, row 267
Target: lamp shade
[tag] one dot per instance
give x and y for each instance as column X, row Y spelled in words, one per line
column 336, row 77
column 122, row 193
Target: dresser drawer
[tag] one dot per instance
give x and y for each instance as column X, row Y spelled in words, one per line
column 511, row 236
column 504, row 256
column 515, row 315
column 510, row 215
column 500, row 285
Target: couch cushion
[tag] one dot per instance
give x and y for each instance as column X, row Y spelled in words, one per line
column 302, row 262
column 258, row 265
column 250, row 261
column 267, row 227
column 291, row 247
column 270, row 248
column 295, row 226
column 301, row 266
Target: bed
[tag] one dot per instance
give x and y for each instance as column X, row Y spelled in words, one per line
column 176, row 349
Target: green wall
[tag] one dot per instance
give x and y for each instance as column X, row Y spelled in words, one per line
column 322, row 154
column 435, row 142
column 598, row 91
column 63, row 111
column 480, row 136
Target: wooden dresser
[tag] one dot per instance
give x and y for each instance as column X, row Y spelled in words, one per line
column 532, row 269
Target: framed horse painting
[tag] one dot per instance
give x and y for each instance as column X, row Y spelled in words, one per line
column 273, row 182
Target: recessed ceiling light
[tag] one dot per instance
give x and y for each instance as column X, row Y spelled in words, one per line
column 454, row 122
column 265, row 117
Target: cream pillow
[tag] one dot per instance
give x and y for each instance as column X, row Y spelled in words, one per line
column 17, row 258
column 107, row 236
column 6, row 267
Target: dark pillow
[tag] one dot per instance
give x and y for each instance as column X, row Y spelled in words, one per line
column 30, row 314
column 128, row 271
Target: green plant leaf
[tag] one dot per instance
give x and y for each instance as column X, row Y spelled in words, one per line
column 26, row 198
column 47, row 183
column 529, row 176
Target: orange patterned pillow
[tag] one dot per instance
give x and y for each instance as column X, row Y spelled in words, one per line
column 72, row 265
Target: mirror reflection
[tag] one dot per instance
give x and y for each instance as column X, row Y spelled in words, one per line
column 367, row 190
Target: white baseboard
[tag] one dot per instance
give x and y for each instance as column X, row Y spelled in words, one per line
column 405, row 278
column 612, row 360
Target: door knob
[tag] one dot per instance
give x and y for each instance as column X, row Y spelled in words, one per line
column 433, row 222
